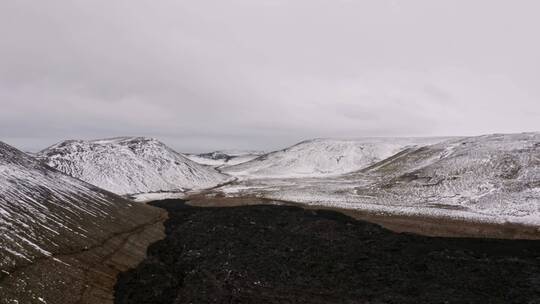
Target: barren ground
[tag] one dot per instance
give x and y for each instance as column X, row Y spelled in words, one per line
column 286, row 254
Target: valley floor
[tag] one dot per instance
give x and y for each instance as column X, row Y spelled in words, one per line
column 437, row 226
column 286, row 254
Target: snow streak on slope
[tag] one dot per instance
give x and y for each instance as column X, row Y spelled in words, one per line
column 130, row 165
column 44, row 212
column 224, row 158
column 324, row 157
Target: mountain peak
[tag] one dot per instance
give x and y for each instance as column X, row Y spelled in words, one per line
column 130, row 165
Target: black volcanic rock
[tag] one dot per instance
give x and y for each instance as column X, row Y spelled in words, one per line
column 277, row 254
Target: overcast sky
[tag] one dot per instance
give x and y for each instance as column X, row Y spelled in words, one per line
column 263, row 74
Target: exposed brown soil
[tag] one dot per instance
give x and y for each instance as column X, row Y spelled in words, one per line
column 84, row 276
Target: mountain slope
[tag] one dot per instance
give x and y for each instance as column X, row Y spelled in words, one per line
column 45, row 214
column 130, row 165
column 489, row 175
column 324, row 157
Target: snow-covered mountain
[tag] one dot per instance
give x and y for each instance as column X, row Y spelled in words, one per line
column 44, row 212
column 224, row 158
column 492, row 178
column 495, row 174
column 130, row 165
column 324, row 157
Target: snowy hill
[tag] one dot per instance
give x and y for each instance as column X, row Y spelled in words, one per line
column 491, row 178
column 490, row 175
column 130, row 165
column 44, row 212
column 324, row 157
column 224, row 158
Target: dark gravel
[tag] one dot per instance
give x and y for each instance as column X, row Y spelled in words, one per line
column 278, row 254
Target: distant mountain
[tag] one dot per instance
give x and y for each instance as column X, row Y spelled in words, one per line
column 324, row 157
column 46, row 215
column 130, row 165
column 224, row 158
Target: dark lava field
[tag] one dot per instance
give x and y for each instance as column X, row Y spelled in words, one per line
column 281, row 254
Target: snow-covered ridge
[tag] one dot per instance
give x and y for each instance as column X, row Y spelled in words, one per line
column 130, row 165
column 324, row 157
column 43, row 211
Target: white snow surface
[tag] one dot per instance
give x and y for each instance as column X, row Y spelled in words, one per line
column 130, row 165
column 324, row 157
column 491, row 178
column 157, row 196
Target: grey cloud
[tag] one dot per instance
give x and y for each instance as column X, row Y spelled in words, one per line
column 261, row 74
